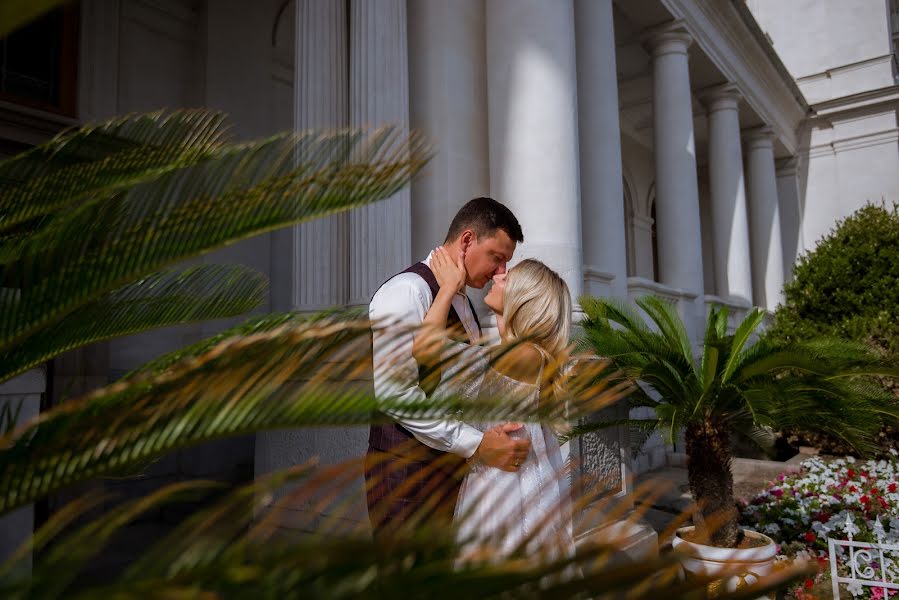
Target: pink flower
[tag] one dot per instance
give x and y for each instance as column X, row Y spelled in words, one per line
column 777, row 492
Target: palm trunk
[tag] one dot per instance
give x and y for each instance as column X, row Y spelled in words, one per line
column 712, row 483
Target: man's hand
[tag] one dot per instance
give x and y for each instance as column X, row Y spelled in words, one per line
column 499, row 450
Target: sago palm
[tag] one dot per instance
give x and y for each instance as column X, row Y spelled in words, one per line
column 735, row 385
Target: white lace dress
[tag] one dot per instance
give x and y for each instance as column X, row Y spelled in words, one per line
column 503, row 512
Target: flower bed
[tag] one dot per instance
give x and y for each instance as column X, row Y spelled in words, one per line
column 801, row 511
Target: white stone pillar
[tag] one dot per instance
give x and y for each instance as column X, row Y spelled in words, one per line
column 677, row 193
column 602, row 208
column 448, row 103
column 764, row 219
column 790, row 214
column 730, row 222
column 316, row 251
column 532, row 100
column 380, row 234
column 310, row 260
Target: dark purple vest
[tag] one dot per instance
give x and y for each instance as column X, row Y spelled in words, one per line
column 390, row 436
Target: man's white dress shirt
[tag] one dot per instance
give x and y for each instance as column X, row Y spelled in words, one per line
column 404, row 301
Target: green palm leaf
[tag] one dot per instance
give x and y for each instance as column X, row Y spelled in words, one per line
column 664, row 315
column 231, row 549
column 301, row 373
column 91, row 163
column 244, row 190
column 165, row 298
column 741, row 336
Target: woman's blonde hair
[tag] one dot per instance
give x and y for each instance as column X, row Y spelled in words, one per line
column 537, row 306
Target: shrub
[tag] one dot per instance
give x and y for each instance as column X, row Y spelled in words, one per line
column 848, row 287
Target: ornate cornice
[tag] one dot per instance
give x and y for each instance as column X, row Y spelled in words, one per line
column 720, row 29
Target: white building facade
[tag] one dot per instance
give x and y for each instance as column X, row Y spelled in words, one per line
column 686, row 148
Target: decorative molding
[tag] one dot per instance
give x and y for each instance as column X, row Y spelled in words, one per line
column 758, row 137
column 829, row 73
column 885, row 97
column 639, row 285
column 596, row 276
column 722, row 33
column 886, row 136
column 726, row 96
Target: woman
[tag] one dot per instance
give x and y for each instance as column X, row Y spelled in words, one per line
column 527, row 510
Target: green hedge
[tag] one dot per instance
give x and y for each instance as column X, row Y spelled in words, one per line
column 848, row 287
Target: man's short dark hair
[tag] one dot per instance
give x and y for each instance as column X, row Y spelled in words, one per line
column 484, row 216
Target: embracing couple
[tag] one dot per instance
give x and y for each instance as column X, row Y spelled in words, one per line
column 502, row 483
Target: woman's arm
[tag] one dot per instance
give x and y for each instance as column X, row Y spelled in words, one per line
column 450, row 276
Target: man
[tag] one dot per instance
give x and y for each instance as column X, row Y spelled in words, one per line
column 413, row 467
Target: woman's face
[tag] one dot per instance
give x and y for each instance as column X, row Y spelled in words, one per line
column 494, row 298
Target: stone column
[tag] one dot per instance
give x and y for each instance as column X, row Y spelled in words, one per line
column 310, row 260
column 790, row 214
column 730, row 222
column 677, row 193
column 532, row 103
column 764, row 219
column 380, row 234
column 602, row 209
column 448, row 103
column 315, row 252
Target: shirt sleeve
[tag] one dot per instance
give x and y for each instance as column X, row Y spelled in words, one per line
column 401, row 303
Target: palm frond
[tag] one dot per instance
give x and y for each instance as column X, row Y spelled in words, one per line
column 302, row 373
column 244, row 190
column 664, row 315
column 96, row 161
column 711, row 351
column 67, row 557
column 165, row 298
column 741, row 336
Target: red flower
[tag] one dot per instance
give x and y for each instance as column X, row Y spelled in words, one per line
column 809, row 583
column 864, row 500
column 851, row 474
column 810, row 537
column 777, row 492
column 853, row 489
column 892, row 487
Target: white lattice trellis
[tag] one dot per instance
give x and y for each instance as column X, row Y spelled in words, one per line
column 867, row 561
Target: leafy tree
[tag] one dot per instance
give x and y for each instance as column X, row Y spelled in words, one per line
column 735, row 386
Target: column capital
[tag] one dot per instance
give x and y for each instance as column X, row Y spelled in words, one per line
column 726, row 96
column 787, row 167
column 668, row 38
column 759, row 137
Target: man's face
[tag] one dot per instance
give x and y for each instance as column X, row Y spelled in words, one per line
column 486, row 257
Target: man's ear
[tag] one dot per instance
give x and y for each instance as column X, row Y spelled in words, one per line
column 467, row 238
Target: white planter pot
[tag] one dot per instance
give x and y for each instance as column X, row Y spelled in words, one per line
column 741, row 564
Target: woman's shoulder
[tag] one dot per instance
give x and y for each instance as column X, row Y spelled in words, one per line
column 522, row 362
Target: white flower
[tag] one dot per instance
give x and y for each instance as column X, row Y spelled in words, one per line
column 772, row 528
column 894, row 452
column 855, row 588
